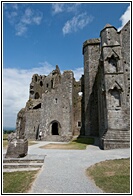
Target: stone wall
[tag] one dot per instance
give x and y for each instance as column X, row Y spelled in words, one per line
column 54, row 106
column 77, row 96
column 117, row 128
column 125, row 51
column 91, row 52
column 107, row 87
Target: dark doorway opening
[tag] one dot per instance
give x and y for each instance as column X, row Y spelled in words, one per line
column 55, row 128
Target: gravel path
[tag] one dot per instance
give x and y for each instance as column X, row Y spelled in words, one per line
column 64, row 171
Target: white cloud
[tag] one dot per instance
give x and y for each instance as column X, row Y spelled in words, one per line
column 11, row 16
column 21, row 20
column 76, row 23
column 30, row 17
column 125, row 17
column 37, row 19
column 64, row 7
column 57, row 7
column 16, row 89
column 78, row 73
column 73, row 7
column 27, row 17
column 15, row 6
column 20, row 29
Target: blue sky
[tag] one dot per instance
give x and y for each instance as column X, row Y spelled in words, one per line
column 38, row 36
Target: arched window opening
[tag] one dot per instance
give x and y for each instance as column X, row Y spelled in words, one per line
column 113, row 62
column 35, row 78
column 31, row 92
column 79, row 124
column 55, row 100
column 52, row 83
column 37, row 96
column 41, row 83
column 31, row 86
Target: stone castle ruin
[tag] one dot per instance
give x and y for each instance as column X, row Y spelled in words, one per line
column 53, row 107
column 57, row 107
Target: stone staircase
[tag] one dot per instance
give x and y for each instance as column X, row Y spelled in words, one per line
column 30, row 162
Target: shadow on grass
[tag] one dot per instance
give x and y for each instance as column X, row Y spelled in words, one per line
column 84, row 140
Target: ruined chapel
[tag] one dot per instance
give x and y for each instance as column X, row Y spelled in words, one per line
column 98, row 105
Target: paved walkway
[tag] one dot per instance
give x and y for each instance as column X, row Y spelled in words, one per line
column 64, row 171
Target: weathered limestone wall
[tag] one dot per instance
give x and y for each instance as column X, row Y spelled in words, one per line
column 33, row 120
column 36, row 86
column 41, row 84
column 56, row 108
column 106, row 97
column 116, row 130
column 51, row 109
column 101, row 96
column 125, row 51
column 77, row 96
column 91, row 52
column 82, row 130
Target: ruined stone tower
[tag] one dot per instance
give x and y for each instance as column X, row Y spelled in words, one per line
column 107, row 87
column 54, row 106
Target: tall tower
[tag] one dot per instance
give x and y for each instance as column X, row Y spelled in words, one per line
column 91, row 52
column 116, row 128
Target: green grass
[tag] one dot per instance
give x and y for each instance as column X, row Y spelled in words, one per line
column 112, row 176
column 18, row 182
column 5, row 143
column 81, row 143
column 5, row 140
column 5, row 136
column 76, row 144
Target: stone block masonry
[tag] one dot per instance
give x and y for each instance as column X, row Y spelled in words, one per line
column 51, row 107
column 107, row 87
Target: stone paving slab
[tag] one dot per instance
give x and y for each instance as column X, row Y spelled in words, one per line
column 27, row 163
column 20, row 169
column 27, row 157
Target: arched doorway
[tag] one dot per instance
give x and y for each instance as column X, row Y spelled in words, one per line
column 55, row 128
